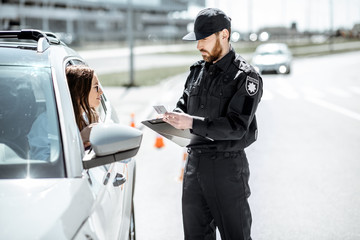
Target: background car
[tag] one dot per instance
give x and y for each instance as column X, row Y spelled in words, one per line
column 51, row 187
column 272, row 58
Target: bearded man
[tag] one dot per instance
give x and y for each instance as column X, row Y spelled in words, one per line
column 218, row 105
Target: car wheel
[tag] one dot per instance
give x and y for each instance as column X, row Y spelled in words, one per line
column 289, row 71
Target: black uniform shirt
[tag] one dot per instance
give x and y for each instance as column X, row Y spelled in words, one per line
column 223, row 98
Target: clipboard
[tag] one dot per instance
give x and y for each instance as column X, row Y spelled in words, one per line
column 178, row 136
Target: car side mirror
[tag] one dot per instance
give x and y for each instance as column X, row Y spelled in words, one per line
column 112, row 143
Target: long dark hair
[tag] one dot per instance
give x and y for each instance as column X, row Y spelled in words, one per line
column 79, row 79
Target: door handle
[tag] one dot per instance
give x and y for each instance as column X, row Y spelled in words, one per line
column 119, row 180
column 106, row 178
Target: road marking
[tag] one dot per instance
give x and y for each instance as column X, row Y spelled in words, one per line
column 286, row 90
column 312, row 92
column 339, row 92
column 335, row 108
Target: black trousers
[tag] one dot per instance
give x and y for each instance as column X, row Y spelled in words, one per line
column 215, row 193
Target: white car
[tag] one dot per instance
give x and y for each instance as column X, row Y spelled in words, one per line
column 272, row 58
column 50, row 186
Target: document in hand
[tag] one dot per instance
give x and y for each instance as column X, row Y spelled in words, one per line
column 178, row 136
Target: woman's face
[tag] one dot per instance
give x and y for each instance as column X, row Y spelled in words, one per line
column 95, row 93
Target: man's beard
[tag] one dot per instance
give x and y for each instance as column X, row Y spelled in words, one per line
column 215, row 53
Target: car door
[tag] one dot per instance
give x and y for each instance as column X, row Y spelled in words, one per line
column 107, row 181
column 114, row 179
column 125, row 174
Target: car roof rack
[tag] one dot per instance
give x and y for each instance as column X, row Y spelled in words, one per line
column 43, row 39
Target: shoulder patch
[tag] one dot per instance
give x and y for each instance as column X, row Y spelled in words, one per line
column 241, row 64
column 251, row 85
column 198, row 63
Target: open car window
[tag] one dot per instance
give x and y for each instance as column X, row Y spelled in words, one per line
column 103, row 108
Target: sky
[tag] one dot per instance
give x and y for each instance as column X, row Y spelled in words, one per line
column 311, row 15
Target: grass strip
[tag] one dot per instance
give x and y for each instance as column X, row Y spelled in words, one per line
column 147, row 77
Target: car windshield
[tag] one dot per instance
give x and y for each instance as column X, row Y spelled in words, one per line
column 271, row 50
column 29, row 129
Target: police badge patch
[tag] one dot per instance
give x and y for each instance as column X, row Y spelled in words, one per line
column 252, row 85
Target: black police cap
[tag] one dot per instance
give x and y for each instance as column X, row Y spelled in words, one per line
column 208, row 22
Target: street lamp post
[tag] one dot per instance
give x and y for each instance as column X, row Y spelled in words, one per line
column 331, row 39
column 130, row 39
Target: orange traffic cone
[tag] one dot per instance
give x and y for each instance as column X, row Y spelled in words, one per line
column 185, row 155
column 159, row 142
column 132, row 123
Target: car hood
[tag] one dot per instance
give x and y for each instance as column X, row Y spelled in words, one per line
column 270, row 59
column 43, row 208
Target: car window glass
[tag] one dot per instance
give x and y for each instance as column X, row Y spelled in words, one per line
column 29, row 129
column 102, row 109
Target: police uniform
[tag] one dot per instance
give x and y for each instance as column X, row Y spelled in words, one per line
column 222, row 98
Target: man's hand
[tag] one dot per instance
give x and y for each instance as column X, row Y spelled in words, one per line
column 178, row 120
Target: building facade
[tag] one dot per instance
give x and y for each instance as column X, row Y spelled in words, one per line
column 99, row 20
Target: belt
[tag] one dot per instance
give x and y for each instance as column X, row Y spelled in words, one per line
column 213, row 151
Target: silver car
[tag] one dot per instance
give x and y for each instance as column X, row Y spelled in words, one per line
column 272, row 58
column 50, row 186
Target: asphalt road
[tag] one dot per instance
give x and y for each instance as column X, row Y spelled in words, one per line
column 305, row 165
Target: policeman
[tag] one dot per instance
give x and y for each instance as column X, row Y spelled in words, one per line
column 218, row 105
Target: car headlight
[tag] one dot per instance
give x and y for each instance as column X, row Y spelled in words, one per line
column 283, row 69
